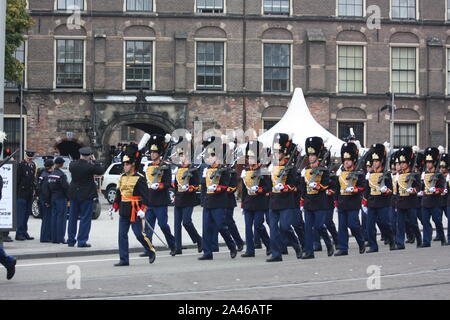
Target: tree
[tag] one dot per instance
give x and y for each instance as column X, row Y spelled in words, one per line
column 18, row 22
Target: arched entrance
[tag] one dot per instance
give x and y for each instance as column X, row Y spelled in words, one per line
column 69, row 148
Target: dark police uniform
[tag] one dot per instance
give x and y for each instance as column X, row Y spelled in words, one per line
column 44, row 202
column 59, row 190
column 26, row 186
column 82, row 192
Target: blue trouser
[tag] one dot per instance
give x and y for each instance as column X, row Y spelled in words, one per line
column 255, row 219
column 23, row 213
column 446, row 211
column 330, row 226
column 349, row 220
column 215, row 219
column 299, row 226
column 378, row 216
column 59, row 220
column 46, row 225
column 315, row 222
column 184, row 216
column 231, row 224
column 124, row 227
column 411, row 216
column 393, row 219
column 5, row 260
column 435, row 213
column 281, row 232
column 82, row 209
column 256, row 235
column 364, row 225
column 159, row 213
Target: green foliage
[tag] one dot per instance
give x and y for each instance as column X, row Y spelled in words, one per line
column 18, row 22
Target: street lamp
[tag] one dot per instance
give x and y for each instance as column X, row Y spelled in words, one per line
column 391, row 109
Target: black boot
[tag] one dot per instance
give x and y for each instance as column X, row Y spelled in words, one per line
column 371, row 250
column 362, row 248
column 330, row 250
column 274, row 259
column 298, row 252
column 419, row 242
column 199, row 245
column 151, row 257
column 307, row 256
column 341, row 253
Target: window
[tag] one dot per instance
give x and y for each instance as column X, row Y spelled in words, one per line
column 268, row 124
column 277, row 67
column 351, row 69
column 69, row 63
column 404, row 9
column 280, row 7
column 127, row 133
column 139, row 64
column 12, row 130
column 210, row 61
column 210, row 6
column 70, row 5
column 358, row 129
column 405, row 134
column 116, row 169
column 140, row 5
column 404, row 70
column 20, row 56
column 350, row 8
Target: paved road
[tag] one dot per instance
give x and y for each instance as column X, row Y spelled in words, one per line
column 409, row 274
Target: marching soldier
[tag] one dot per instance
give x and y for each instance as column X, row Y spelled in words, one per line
column 315, row 181
column 216, row 181
column 82, row 192
column 283, row 199
column 348, row 194
column 26, row 187
column 395, row 169
column 433, row 186
column 132, row 199
column 407, row 200
column 186, row 186
column 44, row 202
column 377, row 198
column 159, row 179
column 59, row 190
column 445, row 163
column 255, row 198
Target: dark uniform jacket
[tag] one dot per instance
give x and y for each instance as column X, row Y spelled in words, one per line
column 220, row 197
column 42, row 186
column 58, row 185
column 83, row 187
column 161, row 197
column 315, row 200
column 405, row 200
column 432, row 200
column 444, row 195
column 255, row 201
column 231, row 194
column 26, row 180
column 133, row 185
column 187, row 176
column 349, row 201
column 286, row 199
column 332, row 188
column 374, row 197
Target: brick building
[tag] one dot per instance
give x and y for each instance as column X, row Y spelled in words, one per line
column 157, row 65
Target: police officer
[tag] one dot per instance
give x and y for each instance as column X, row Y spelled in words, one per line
column 216, row 181
column 377, row 198
column 408, row 185
column 283, row 199
column 186, row 198
column 314, row 183
column 26, row 187
column 59, row 190
column 255, row 198
column 433, row 184
column 349, row 193
column 44, row 201
column 82, row 192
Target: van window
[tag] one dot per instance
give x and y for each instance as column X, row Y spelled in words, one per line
column 116, row 169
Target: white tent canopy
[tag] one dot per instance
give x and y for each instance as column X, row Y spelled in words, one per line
column 300, row 124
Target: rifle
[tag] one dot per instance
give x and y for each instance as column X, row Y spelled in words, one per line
column 386, row 172
column 289, row 166
column 316, row 171
column 412, row 175
column 4, row 161
column 164, row 164
column 352, row 176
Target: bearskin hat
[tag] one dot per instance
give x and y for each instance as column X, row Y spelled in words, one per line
column 405, row 154
column 281, row 142
column 444, row 161
column 432, row 154
column 132, row 155
column 349, row 151
column 314, row 146
column 378, row 152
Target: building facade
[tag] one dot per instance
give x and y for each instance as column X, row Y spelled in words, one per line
column 158, row 65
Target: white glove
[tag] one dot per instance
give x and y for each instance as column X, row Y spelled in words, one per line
column 432, row 190
column 312, row 185
column 141, row 214
column 364, row 209
column 302, row 209
column 212, row 188
column 445, row 191
column 185, row 187
column 420, row 193
column 409, row 190
column 254, row 189
column 279, row 187
column 349, row 189
column 383, row 189
column 154, row 186
column 111, row 211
